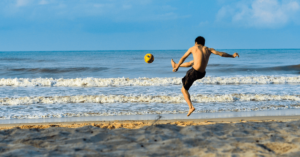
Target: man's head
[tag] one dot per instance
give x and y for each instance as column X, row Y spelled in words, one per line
column 200, row 40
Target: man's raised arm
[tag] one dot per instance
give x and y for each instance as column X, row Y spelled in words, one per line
column 223, row 54
column 182, row 59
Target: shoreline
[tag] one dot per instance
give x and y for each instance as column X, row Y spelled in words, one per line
column 149, row 117
column 137, row 124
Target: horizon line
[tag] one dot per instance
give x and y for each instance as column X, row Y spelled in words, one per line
column 148, row 50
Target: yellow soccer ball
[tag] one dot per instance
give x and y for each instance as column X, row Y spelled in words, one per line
column 149, row 58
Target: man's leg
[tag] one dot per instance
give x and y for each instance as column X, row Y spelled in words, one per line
column 186, row 64
column 187, row 98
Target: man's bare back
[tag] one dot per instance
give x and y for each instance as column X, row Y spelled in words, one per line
column 199, row 63
column 201, row 56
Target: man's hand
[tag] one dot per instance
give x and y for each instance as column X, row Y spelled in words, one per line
column 235, row 54
column 175, row 69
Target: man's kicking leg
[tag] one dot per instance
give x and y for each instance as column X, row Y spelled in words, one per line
column 187, row 98
column 186, row 64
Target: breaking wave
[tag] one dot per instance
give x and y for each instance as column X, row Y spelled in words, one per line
column 111, row 82
column 144, row 99
column 232, row 68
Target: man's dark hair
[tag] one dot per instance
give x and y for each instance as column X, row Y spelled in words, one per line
column 200, row 40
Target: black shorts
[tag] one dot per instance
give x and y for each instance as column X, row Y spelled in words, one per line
column 191, row 76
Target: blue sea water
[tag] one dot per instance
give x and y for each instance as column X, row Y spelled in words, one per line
column 95, row 83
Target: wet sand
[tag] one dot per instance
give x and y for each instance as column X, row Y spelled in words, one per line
column 251, row 136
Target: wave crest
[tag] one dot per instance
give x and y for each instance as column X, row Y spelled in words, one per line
column 144, row 99
column 110, row 82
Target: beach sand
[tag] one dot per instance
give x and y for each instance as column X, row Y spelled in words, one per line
column 252, row 136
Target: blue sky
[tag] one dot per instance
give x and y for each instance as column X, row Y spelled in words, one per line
column 46, row 25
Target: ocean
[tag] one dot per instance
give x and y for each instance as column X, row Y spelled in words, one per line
column 61, row 84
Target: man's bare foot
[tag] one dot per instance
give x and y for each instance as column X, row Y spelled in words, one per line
column 173, row 63
column 191, row 111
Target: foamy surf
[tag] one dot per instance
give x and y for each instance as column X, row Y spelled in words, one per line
column 144, row 99
column 111, row 82
column 115, row 109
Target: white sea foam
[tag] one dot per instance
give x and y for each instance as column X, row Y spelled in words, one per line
column 75, row 110
column 108, row 82
column 144, row 99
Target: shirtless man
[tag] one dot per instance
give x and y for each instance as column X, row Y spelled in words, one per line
column 201, row 56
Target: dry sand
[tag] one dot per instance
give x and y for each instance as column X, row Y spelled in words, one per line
column 253, row 136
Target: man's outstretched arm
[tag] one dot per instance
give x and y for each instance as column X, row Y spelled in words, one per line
column 223, row 54
column 182, row 59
